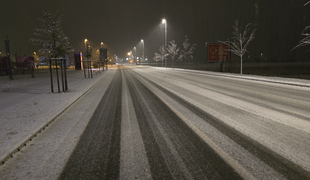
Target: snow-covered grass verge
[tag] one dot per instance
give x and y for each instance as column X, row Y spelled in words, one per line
column 21, row 80
column 279, row 80
column 23, row 118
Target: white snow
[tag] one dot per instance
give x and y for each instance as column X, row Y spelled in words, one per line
column 279, row 130
column 27, row 104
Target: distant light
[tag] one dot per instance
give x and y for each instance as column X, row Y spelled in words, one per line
column 85, row 40
column 128, row 53
column 141, row 40
column 163, row 21
column 127, row 59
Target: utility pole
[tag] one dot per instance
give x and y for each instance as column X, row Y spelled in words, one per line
column 7, row 47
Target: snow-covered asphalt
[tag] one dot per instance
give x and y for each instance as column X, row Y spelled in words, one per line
column 156, row 123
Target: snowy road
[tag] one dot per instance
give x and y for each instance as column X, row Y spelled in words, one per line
column 153, row 123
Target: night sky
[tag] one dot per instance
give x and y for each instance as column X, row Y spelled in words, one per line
column 122, row 24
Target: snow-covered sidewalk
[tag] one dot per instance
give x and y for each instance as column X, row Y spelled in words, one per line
column 27, row 105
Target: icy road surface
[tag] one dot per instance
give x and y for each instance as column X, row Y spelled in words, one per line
column 157, row 123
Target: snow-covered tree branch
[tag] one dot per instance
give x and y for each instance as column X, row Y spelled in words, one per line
column 161, row 55
column 173, row 50
column 240, row 40
column 306, row 32
column 188, row 50
column 53, row 42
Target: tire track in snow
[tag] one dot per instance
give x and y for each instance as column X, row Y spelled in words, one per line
column 134, row 163
column 176, row 141
column 287, row 168
column 97, row 154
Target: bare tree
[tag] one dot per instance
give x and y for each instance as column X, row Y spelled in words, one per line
column 240, row 41
column 188, row 50
column 161, row 55
column 173, row 50
column 51, row 38
column 306, row 32
column 157, row 57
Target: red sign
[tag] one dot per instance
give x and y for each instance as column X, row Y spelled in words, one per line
column 218, row 52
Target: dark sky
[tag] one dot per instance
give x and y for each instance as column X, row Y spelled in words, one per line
column 122, row 24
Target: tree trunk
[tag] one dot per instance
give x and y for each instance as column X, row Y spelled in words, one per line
column 241, row 65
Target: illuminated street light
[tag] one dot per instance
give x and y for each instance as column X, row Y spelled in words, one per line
column 101, row 44
column 86, row 46
column 128, row 53
column 165, row 22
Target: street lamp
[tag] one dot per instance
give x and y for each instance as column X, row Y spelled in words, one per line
column 135, row 53
column 143, row 49
column 101, row 44
column 165, row 22
column 86, row 46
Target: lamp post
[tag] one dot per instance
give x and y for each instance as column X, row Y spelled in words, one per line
column 86, row 54
column 165, row 22
column 129, row 54
column 143, row 49
column 86, row 46
column 135, row 54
